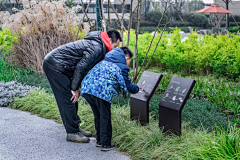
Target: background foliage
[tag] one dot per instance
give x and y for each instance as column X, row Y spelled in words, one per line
column 196, row 55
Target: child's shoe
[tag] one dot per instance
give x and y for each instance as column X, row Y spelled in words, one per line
column 108, row 148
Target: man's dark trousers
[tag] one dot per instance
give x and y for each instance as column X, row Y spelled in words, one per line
column 61, row 87
column 102, row 118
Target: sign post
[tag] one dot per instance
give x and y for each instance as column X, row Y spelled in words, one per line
column 172, row 103
column 139, row 103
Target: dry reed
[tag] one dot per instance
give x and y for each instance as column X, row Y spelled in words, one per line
column 41, row 27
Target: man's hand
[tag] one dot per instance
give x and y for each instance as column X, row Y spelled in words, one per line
column 75, row 95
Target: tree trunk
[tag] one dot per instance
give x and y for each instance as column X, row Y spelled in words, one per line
column 135, row 55
column 129, row 23
column 138, row 28
column 135, row 77
column 122, row 25
column 116, row 14
column 109, row 20
column 103, row 18
column 227, row 16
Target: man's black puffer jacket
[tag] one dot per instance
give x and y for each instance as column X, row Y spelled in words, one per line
column 75, row 59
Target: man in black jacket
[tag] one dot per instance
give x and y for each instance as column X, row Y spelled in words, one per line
column 65, row 68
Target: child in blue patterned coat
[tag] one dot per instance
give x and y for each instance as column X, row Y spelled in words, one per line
column 101, row 84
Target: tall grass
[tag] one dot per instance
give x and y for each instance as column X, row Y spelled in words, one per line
column 224, row 145
column 9, row 72
column 140, row 142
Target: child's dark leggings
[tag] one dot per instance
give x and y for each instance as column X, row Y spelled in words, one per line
column 102, row 118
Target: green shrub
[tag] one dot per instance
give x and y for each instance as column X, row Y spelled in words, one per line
column 233, row 29
column 236, row 17
column 34, row 79
column 146, row 23
column 155, row 16
column 181, row 24
column 152, row 29
column 147, row 29
column 10, row 72
column 202, row 113
column 6, row 41
column 194, row 56
column 199, row 20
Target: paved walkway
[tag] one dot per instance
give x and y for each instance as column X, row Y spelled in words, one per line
column 28, row 137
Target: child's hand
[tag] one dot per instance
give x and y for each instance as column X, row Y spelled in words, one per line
column 139, row 87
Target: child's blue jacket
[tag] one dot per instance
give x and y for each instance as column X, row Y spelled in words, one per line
column 106, row 78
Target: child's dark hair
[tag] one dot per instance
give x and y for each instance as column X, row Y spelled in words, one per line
column 127, row 51
column 114, row 35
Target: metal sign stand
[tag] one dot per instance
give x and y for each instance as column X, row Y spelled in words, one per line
column 139, row 102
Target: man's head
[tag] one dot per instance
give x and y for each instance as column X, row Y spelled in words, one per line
column 114, row 37
column 128, row 54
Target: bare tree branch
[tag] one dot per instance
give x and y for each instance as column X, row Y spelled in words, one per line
column 156, row 45
column 116, row 14
column 103, row 18
column 136, row 48
column 80, row 23
column 109, row 20
column 85, row 12
column 234, row 20
column 135, row 77
column 129, row 23
column 99, row 13
column 122, row 25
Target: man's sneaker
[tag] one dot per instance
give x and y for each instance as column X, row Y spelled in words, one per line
column 85, row 133
column 108, row 148
column 77, row 137
column 98, row 144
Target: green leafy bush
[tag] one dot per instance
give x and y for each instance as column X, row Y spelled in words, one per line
column 168, row 29
column 199, row 20
column 147, row 29
column 181, row 24
column 154, row 17
column 34, row 79
column 194, row 56
column 236, row 17
column 233, row 29
column 10, row 72
column 6, row 41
